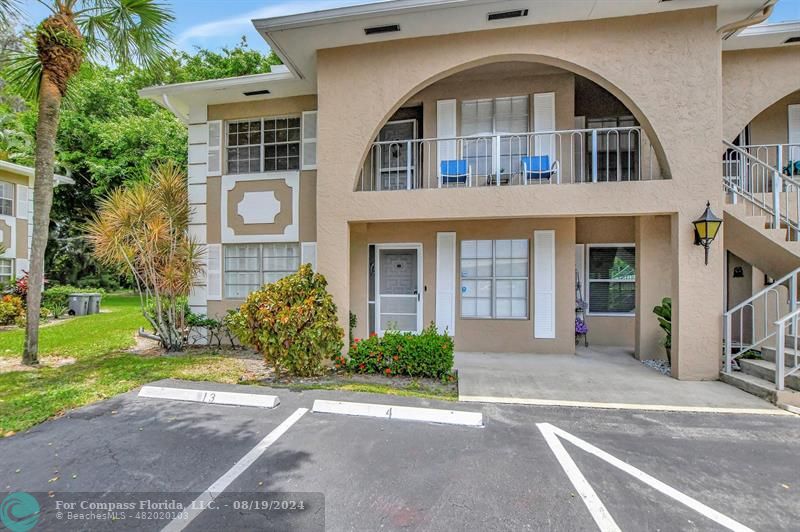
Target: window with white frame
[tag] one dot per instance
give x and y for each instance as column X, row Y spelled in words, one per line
column 248, row 266
column 611, row 276
column 494, row 278
column 6, row 270
column 6, row 198
column 495, row 116
column 263, row 145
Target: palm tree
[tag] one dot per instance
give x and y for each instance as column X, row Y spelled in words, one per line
column 111, row 31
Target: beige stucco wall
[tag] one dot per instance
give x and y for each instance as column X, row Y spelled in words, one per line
column 653, row 282
column 669, row 59
column 608, row 330
column 753, row 80
column 263, row 108
column 771, row 126
column 478, row 335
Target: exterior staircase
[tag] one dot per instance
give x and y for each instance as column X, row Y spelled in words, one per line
column 762, row 226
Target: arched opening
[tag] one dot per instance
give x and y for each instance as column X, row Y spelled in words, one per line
column 512, row 121
column 773, row 135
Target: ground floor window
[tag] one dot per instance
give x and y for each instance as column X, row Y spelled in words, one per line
column 494, row 278
column 6, row 270
column 248, row 266
column 612, row 279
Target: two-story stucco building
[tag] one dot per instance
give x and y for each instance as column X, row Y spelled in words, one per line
column 485, row 165
column 16, row 213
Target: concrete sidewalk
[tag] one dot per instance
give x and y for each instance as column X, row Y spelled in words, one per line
column 597, row 377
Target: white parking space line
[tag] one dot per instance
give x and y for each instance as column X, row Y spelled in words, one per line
column 596, row 507
column 210, row 396
column 552, row 433
column 768, row 410
column 406, row 413
column 238, row 468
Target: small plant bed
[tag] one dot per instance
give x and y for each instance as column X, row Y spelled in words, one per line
column 346, row 381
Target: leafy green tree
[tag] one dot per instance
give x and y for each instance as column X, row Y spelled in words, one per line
column 118, row 31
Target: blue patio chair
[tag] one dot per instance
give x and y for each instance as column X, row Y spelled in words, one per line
column 455, row 172
column 537, row 169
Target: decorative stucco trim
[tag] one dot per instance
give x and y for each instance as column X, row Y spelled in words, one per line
column 286, row 188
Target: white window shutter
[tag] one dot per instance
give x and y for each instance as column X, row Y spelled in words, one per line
column 308, row 254
column 445, row 128
column 794, row 133
column 544, row 119
column 214, row 271
column 446, row 283
column 214, row 163
column 21, row 207
column 544, row 284
column 309, row 140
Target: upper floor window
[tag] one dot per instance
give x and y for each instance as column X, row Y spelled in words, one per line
column 6, row 198
column 263, row 145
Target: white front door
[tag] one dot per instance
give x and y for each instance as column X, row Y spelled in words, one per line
column 397, row 274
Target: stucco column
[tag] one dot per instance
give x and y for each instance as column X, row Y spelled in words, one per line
column 333, row 261
column 653, row 282
column 697, row 300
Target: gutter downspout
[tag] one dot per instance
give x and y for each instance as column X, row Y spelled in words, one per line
column 168, row 105
column 757, row 17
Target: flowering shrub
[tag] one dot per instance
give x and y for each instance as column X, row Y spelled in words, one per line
column 292, row 322
column 428, row 354
column 11, row 309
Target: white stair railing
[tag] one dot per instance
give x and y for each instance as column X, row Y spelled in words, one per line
column 770, row 313
column 765, row 189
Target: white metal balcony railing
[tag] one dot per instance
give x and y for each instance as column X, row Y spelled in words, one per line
column 554, row 157
column 766, row 189
column 783, row 157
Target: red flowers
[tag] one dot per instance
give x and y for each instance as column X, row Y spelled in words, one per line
column 373, row 334
column 387, row 371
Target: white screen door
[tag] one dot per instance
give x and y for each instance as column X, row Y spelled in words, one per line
column 399, row 299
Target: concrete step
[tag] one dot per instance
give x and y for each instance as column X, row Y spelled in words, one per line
column 764, row 369
column 768, row 354
column 761, row 388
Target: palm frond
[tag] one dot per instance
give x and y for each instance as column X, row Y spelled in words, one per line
column 23, row 70
column 9, row 11
column 126, row 32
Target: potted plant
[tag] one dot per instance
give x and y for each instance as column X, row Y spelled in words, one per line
column 664, row 314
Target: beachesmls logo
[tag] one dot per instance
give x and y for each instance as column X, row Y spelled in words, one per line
column 19, row 511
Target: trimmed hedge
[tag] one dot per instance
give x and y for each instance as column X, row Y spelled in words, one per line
column 58, row 296
column 428, row 354
column 292, row 322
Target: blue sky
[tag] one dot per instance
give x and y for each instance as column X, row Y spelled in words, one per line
column 214, row 23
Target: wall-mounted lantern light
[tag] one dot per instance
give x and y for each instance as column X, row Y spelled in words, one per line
column 706, row 228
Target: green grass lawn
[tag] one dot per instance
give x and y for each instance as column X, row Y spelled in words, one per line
column 85, row 336
column 101, row 368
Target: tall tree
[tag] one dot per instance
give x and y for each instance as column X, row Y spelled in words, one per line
column 115, row 31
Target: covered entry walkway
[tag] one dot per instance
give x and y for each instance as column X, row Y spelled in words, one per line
column 601, row 377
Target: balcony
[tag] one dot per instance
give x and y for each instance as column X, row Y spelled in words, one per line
column 563, row 157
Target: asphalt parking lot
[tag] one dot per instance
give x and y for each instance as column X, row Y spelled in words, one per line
column 357, row 473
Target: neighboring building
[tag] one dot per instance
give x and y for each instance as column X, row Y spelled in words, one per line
column 473, row 163
column 16, row 215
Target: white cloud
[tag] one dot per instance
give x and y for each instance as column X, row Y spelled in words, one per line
column 235, row 26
